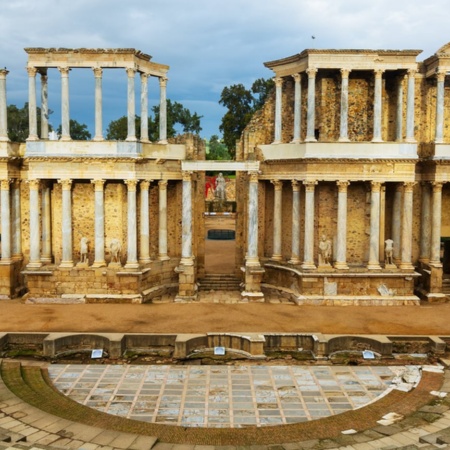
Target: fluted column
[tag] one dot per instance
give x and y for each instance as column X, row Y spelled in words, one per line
column 278, row 99
column 308, row 257
column 5, row 221
column 410, row 106
column 44, row 104
column 162, row 251
column 407, row 217
column 295, row 252
column 186, row 221
column 35, row 229
column 46, row 256
column 132, row 262
column 344, row 106
column 98, row 71
column 162, row 110
column 131, row 106
column 3, row 107
column 311, row 114
column 425, row 223
column 277, row 213
column 144, row 107
column 252, row 232
column 65, row 114
column 341, row 242
column 439, row 134
column 374, row 244
column 297, row 107
column 99, row 223
column 32, row 114
column 16, row 221
column 144, row 249
column 67, row 251
column 436, row 218
column 397, row 222
column 399, row 112
column 377, row 106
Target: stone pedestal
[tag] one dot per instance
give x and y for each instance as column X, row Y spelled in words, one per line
column 187, row 287
column 253, row 277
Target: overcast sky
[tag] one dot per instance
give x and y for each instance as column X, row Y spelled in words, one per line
column 208, row 44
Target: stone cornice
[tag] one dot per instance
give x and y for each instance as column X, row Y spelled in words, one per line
column 339, row 161
column 90, row 51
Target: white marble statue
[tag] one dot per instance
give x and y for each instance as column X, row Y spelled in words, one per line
column 115, row 248
column 220, row 191
column 325, row 251
column 84, row 248
column 389, row 251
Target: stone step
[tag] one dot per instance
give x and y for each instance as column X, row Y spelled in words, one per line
column 219, row 282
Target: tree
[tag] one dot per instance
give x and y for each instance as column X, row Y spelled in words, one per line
column 18, row 122
column 78, row 131
column 217, row 150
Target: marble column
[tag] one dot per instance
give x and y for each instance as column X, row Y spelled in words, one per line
column 131, row 106
column 44, row 103
column 162, row 232
column 295, row 252
column 277, row 213
column 144, row 107
column 374, row 244
column 439, row 133
column 144, row 248
column 67, row 251
column 278, row 100
column 425, row 223
column 311, row 114
column 99, row 223
column 308, row 257
column 65, row 110
column 397, row 222
column 16, row 234
column 410, row 106
column 343, row 137
column 162, row 111
column 132, row 261
column 186, row 221
column 399, row 112
column 5, row 220
column 46, row 256
column 377, row 106
column 297, row 107
column 407, row 217
column 252, row 232
column 35, row 229
column 32, row 114
column 341, row 241
column 436, row 218
column 98, row 72
column 3, row 107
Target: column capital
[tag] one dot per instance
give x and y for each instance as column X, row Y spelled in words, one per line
column 309, row 185
column 144, row 76
column 131, row 72
column 295, row 185
column 378, row 73
column 4, row 184
column 253, row 177
column 278, row 184
column 66, row 184
column 440, row 74
column 162, row 184
column 131, row 184
column 3, row 73
column 376, row 186
column 311, row 71
column 409, row 185
column 342, row 185
column 297, row 77
column 145, row 184
column 186, row 175
column 32, row 71
column 412, row 72
column 163, row 81
column 437, row 185
column 345, row 72
column 64, row 71
column 98, row 184
column 98, row 71
column 34, row 184
column 278, row 81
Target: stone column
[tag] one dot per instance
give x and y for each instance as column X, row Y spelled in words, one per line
column 132, row 262
column 32, row 115
column 163, row 111
column 16, row 221
column 377, row 106
column 67, row 253
column 5, row 221
column 374, row 244
column 277, row 213
column 341, row 241
column 439, row 134
column 407, row 217
column 278, row 100
column 311, row 114
column 46, row 256
column 35, row 229
column 186, row 223
column 344, row 106
column 3, row 107
column 425, row 223
column 252, row 232
column 144, row 250
column 397, row 222
column 399, row 113
column 162, row 251
column 308, row 257
column 131, row 106
column 295, row 252
column 99, row 223
column 98, row 71
column 410, row 106
column 44, row 104
column 144, row 107
column 436, row 218
column 65, row 114
column 297, row 108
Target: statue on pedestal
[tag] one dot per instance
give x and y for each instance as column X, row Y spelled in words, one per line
column 115, row 248
column 220, row 192
column 84, row 248
column 325, row 251
column 388, row 253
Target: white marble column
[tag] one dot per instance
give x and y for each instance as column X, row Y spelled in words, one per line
column 162, row 110
column 65, row 109
column 439, row 133
column 410, row 106
column 98, row 72
column 162, row 232
column 308, row 257
column 425, row 223
column 132, row 261
column 407, row 217
column 297, row 108
column 377, row 106
column 397, row 222
column 186, row 221
column 399, row 111
column 277, row 213
column 343, row 137
column 252, row 232
column 35, row 229
column 16, row 221
column 436, row 218
column 99, row 223
column 3, row 107
column 295, row 252
column 278, row 101
column 67, row 246
column 341, row 241
column 311, row 114
column 131, row 106
column 5, row 220
column 46, row 256
column 374, row 244
column 32, row 114
column 144, row 248
column 44, row 104
column 144, row 107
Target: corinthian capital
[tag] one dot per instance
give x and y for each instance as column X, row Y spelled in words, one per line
column 64, row 71
column 32, row 71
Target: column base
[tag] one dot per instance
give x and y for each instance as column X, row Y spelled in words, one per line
column 6, row 261
column 308, row 266
column 252, row 297
column 276, row 258
column 373, row 266
column 66, row 265
column 46, row 260
column 294, row 261
column 98, row 139
column 340, row 265
column 34, row 265
column 65, row 139
column 131, row 265
column 343, row 139
column 163, row 141
column 310, row 139
column 406, row 266
column 131, row 139
column 4, row 139
column 145, row 261
column 163, row 258
column 377, row 140
column 146, row 141
column 296, row 141
column 410, row 140
column 33, row 137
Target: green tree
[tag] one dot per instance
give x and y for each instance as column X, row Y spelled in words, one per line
column 217, row 150
column 18, row 122
column 78, row 131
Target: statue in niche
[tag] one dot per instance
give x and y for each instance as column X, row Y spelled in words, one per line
column 84, row 248
column 220, row 191
column 325, row 251
column 389, row 252
column 115, row 248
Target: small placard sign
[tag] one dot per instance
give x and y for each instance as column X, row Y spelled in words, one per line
column 97, row 353
column 219, row 351
column 367, row 354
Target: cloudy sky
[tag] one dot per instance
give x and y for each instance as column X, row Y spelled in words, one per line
column 208, row 44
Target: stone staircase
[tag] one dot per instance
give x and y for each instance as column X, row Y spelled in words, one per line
column 219, row 282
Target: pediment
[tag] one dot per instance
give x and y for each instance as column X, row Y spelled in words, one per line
column 444, row 50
